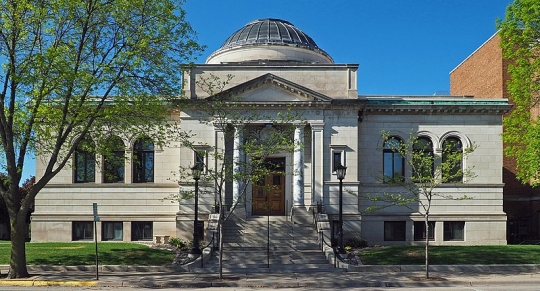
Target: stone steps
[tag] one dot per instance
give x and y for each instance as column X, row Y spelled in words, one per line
column 293, row 246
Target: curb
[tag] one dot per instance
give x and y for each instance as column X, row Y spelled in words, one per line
column 43, row 283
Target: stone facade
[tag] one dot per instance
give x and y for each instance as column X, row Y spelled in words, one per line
column 337, row 127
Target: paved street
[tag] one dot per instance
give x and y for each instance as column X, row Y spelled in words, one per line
column 143, row 277
column 457, row 288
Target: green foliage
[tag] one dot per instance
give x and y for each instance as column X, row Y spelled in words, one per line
column 356, row 242
column 180, row 243
column 520, row 35
column 73, row 254
column 75, row 70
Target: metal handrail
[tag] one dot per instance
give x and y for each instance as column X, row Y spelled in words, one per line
column 211, row 249
column 337, row 255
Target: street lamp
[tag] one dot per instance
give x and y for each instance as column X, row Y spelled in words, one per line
column 196, row 172
column 340, row 173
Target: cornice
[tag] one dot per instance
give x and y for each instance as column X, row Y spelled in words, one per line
column 454, row 109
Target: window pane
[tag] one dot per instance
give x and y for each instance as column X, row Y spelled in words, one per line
column 114, row 162
column 387, row 167
column 82, row 230
column 112, row 231
column 85, row 163
column 453, row 160
column 420, row 230
column 336, row 160
column 398, row 166
column 454, row 230
column 423, row 160
column 394, row 230
column 141, row 230
column 149, row 167
column 90, row 167
column 114, row 167
column 393, row 162
column 143, row 165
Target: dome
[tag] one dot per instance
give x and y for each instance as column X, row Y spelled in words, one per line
column 266, row 40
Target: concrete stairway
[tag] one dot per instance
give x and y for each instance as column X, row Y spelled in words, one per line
column 289, row 247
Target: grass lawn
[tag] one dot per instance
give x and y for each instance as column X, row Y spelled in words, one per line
column 72, row 254
column 452, row 255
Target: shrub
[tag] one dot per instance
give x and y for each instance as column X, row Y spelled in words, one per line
column 180, row 243
column 356, row 242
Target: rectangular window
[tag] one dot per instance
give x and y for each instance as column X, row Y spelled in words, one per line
column 200, row 157
column 83, row 230
column 454, row 230
column 394, row 230
column 336, row 161
column 420, row 230
column 112, row 230
column 141, row 230
column 338, row 156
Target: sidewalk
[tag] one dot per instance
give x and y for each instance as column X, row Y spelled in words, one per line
column 155, row 277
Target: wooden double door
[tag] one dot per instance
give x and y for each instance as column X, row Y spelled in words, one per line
column 268, row 194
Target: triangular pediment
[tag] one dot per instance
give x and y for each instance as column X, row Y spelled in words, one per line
column 272, row 89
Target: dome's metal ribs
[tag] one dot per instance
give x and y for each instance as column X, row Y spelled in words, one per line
column 268, row 32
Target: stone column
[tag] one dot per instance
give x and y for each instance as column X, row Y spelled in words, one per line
column 317, row 161
column 298, row 159
column 219, row 145
column 238, row 159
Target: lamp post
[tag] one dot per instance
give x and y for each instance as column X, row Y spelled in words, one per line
column 196, row 251
column 340, row 173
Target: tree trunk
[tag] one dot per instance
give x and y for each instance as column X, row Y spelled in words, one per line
column 220, row 249
column 427, row 246
column 17, row 264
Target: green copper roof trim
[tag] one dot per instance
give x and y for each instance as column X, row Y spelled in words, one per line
column 445, row 102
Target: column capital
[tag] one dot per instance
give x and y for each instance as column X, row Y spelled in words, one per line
column 317, row 125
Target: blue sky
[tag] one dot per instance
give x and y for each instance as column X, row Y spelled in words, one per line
column 403, row 47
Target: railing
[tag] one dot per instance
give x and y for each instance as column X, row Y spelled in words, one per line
column 337, row 255
column 322, row 223
column 211, row 249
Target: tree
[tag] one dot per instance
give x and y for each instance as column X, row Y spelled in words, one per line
column 74, row 70
column 23, row 190
column 428, row 170
column 222, row 111
column 520, row 43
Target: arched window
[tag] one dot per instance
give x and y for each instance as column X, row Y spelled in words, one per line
column 423, row 160
column 85, row 162
column 143, row 161
column 393, row 161
column 114, row 161
column 452, row 160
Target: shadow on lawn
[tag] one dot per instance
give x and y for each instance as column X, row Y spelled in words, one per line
column 140, row 257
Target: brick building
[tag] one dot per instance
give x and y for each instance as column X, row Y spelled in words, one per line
column 484, row 74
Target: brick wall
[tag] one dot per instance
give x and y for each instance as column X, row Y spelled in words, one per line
column 481, row 74
column 484, row 75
